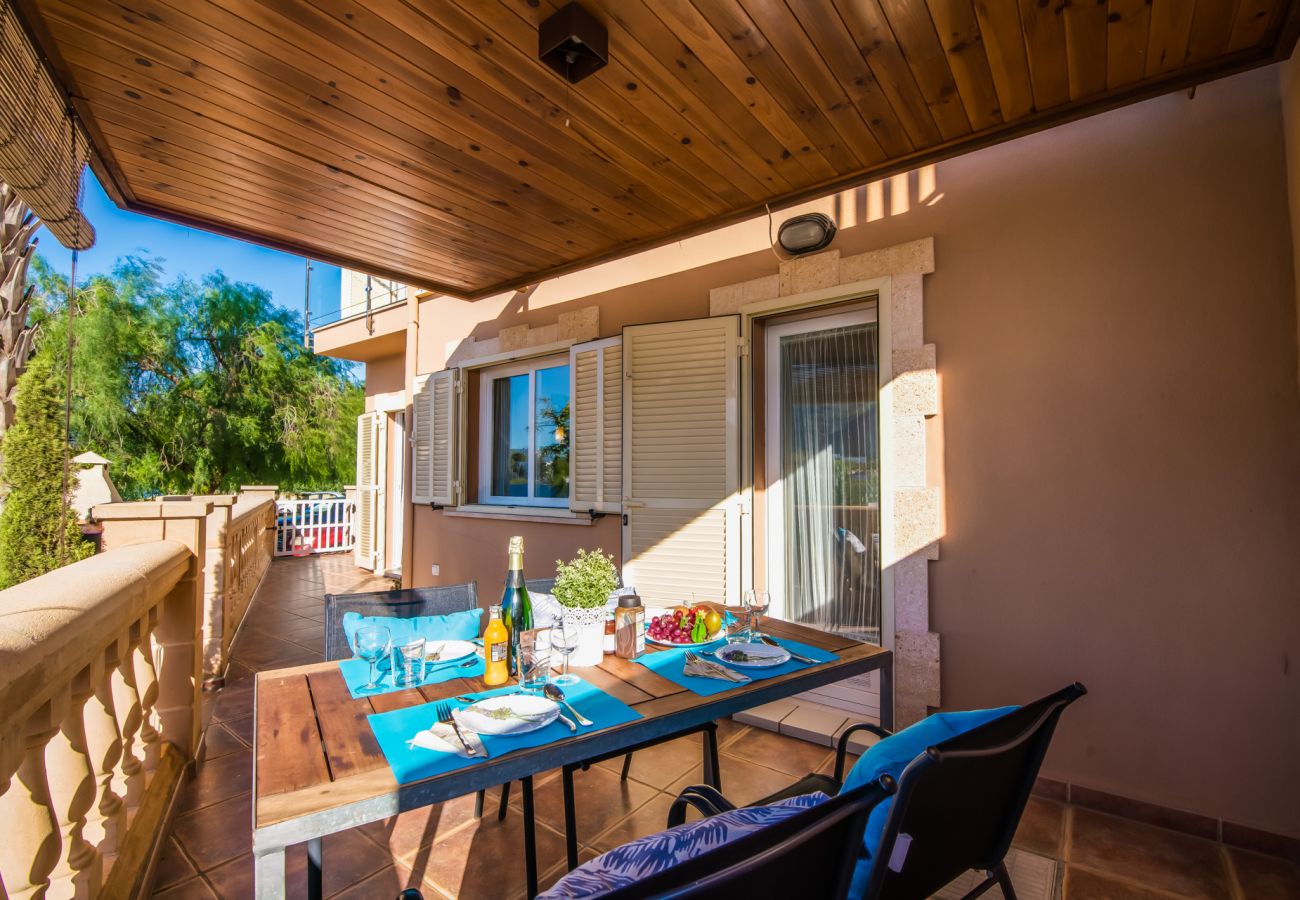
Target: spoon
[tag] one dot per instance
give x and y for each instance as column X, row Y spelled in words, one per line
column 555, row 693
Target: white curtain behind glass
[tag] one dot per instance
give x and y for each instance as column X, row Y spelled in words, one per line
column 830, row 473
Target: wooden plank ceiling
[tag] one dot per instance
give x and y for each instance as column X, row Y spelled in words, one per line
column 424, row 141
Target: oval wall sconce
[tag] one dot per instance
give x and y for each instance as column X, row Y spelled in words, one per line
column 805, row 234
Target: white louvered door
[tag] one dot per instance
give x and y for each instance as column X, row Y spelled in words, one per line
column 681, row 459
column 596, row 426
column 433, row 441
column 369, row 449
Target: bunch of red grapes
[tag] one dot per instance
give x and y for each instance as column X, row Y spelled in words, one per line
column 675, row 627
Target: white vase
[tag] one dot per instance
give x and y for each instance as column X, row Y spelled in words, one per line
column 591, row 635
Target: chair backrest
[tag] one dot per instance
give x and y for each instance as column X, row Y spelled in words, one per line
column 959, row 803
column 540, row 585
column 405, row 604
column 811, row 854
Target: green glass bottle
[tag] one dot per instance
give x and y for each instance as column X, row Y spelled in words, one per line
column 516, row 608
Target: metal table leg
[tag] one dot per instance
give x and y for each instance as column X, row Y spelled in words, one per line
column 570, row 819
column 268, row 875
column 530, row 836
column 315, row 880
column 712, row 771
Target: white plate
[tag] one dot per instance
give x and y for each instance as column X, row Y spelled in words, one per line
column 448, row 651
column 766, row 654
column 530, row 713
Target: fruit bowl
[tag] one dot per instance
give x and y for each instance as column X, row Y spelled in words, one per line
column 685, row 626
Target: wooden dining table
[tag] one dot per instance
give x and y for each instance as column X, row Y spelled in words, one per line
column 318, row 768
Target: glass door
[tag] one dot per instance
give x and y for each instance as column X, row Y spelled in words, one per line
column 822, row 461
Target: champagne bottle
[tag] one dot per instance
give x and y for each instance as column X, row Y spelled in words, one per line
column 516, row 609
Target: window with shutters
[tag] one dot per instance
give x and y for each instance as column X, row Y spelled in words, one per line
column 524, row 433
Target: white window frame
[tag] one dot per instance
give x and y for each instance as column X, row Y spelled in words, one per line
column 487, row 376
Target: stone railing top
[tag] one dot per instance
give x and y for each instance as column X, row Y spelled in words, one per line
column 153, row 509
column 53, row 626
column 249, row 506
column 214, row 499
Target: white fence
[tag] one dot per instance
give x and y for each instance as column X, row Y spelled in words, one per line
column 304, row 527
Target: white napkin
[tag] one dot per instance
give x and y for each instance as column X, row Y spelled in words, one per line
column 442, row 738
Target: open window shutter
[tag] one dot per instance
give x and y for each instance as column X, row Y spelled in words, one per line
column 433, row 450
column 681, row 459
column 596, row 426
column 367, row 513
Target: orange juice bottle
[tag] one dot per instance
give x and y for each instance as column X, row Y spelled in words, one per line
column 496, row 648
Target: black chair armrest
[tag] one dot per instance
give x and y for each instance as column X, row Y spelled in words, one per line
column 842, row 750
column 701, row 796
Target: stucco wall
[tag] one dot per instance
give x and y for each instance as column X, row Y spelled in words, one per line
column 1114, row 309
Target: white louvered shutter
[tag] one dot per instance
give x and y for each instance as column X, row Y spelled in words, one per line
column 681, row 459
column 433, row 439
column 596, row 426
column 367, row 513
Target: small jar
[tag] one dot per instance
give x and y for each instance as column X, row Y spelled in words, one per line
column 629, row 627
column 609, row 642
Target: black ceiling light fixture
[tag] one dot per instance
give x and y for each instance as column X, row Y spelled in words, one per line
column 573, row 42
column 806, row 234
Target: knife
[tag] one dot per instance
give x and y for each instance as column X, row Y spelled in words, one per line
column 795, row 656
column 570, row 723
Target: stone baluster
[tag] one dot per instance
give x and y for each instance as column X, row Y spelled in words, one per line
column 71, row 780
column 30, row 849
column 104, row 821
column 129, row 783
column 146, row 682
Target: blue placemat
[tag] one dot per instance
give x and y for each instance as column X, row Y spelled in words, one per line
column 669, row 663
column 394, row 729
column 356, row 673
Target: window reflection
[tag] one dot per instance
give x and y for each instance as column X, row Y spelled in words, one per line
column 552, row 423
column 510, row 436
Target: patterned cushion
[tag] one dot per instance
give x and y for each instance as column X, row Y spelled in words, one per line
column 647, row 856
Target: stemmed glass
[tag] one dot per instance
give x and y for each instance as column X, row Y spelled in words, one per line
column 564, row 637
column 757, row 603
column 373, row 642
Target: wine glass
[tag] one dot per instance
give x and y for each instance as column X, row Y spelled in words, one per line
column 757, row 603
column 564, row 638
column 373, row 642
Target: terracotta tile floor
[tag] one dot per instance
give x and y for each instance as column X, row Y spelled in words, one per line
column 446, row 852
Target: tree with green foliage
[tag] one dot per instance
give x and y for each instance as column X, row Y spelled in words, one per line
column 198, row 387
column 32, row 541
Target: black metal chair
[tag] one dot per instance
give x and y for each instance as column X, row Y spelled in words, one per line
column 403, row 604
column 959, row 802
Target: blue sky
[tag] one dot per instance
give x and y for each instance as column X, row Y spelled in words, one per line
column 188, row 251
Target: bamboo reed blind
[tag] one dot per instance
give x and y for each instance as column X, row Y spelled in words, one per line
column 42, row 150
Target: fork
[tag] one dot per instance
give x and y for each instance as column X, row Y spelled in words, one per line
column 443, row 711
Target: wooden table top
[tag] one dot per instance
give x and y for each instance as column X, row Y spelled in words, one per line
column 316, row 753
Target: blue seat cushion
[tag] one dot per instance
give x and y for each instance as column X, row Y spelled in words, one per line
column 461, row 626
column 890, row 756
column 656, row 853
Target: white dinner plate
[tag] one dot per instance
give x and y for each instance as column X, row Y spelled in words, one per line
column 508, row 714
column 448, row 651
column 753, row 656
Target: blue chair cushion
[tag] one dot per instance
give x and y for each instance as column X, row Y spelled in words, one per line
column 462, row 626
column 655, row 853
column 890, row 756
